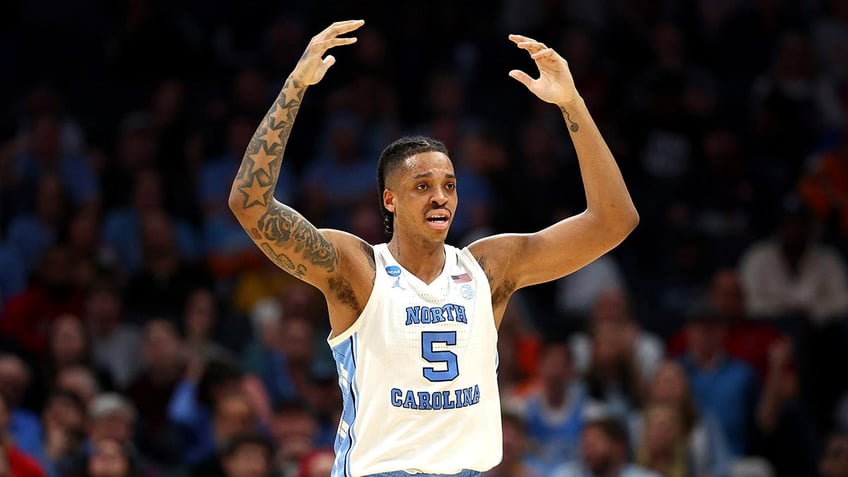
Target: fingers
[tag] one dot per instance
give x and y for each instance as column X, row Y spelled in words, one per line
column 327, row 44
column 521, row 77
column 526, row 43
column 339, row 28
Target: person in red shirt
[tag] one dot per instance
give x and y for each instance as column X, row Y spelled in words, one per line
column 28, row 317
column 745, row 339
column 13, row 462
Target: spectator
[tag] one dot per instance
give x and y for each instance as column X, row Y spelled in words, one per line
column 664, row 446
column 110, row 458
column 603, row 452
column 746, row 339
column 162, row 284
column 791, row 274
column 163, row 365
column 63, row 420
column 233, row 415
column 200, row 326
column 30, row 235
column 720, row 383
column 518, row 460
column 247, row 456
column 28, row 316
column 13, row 461
column 834, row 459
column 122, row 227
column 79, row 381
column 192, row 404
column 44, row 154
column 115, row 344
column 21, row 423
column 554, row 411
column 612, row 312
column 706, row 448
column 294, row 431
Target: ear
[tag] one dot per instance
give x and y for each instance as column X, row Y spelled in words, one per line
column 389, row 200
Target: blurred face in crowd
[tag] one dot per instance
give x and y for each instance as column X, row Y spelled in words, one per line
column 726, row 293
column 78, row 380
column 670, row 384
column 248, row 460
column 14, row 379
column 103, row 311
column 116, row 426
column 294, row 433
column 108, row 459
column 598, row 451
column 68, row 343
column 63, row 412
column 555, row 368
column 297, row 340
column 200, row 315
column 162, row 345
column 233, row 416
column 663, row 428
column 705, row 339
column 834, row 462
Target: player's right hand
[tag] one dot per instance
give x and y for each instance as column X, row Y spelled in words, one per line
column 313, row 64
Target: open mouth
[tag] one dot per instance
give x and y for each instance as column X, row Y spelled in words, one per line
column 439, row 220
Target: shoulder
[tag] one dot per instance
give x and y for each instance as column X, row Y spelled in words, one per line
column 349, row 246
column 495, row 255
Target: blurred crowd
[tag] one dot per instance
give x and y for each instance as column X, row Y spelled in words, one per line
column 142, row 333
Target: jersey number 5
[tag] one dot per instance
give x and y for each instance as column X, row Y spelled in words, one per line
column 449, row 369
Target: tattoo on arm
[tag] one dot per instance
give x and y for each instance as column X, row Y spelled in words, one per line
column 282, row 226
column 368, row 251
column 500, row 290
column 260, row 167
column 572, row 125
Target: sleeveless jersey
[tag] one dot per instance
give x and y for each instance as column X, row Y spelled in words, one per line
column 417, row 372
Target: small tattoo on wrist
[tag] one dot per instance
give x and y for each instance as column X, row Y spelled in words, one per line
column 572, row 125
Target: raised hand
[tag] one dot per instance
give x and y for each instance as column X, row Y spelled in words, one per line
column 313, row 64
column 555, row 84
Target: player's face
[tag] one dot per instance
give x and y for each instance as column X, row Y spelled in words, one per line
column 422, row 195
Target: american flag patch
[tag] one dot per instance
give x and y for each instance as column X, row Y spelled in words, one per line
column 461, row 278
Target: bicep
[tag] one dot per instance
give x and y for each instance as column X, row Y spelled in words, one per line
column 552, row 253
column 292, row 243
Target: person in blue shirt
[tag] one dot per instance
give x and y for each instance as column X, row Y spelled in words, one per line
column 722, row 385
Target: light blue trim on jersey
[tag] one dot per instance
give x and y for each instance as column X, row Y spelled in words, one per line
column 344, row 354
column 400, row 473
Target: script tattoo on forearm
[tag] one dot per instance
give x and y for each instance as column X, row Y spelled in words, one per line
column 282, row 226
column 261, row 164
column 571, row 124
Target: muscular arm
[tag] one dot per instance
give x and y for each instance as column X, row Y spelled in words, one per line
column 328, row 259
column 514, row 261
column 288, row 239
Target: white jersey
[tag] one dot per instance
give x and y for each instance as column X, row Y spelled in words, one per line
column 417, row 372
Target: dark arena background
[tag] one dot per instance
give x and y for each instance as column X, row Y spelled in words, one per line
column 143, row 334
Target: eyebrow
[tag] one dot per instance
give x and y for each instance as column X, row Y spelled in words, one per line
column 430, row 174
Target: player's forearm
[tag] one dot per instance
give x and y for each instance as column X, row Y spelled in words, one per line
column 607, row 197
column 257, row 176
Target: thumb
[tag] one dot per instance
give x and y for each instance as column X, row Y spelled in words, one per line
column 521, row 77
column 326, row 63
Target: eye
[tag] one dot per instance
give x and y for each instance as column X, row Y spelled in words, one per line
column 450, row 186
column 421, row 186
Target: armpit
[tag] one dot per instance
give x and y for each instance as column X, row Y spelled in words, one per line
column 501, row 289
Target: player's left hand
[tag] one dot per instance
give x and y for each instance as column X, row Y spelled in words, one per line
column 555, row 83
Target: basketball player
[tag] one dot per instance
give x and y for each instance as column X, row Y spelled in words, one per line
column 414, row 320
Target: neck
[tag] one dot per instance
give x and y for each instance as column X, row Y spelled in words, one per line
column 425, row 261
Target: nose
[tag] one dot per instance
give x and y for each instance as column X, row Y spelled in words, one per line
column 439, row 196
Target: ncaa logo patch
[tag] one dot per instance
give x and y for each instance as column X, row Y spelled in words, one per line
column 393, row 270
column 467, row 291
